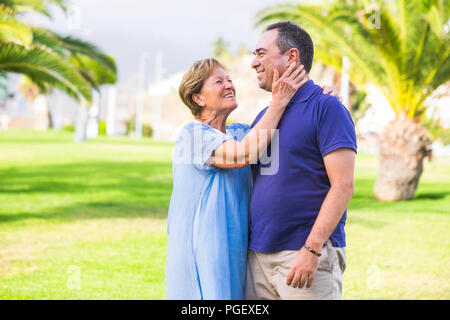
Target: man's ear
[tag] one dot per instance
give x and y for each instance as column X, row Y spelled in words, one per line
column 198, row 99
column 293, row 55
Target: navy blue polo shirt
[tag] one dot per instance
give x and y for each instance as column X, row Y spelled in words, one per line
column 285, row 202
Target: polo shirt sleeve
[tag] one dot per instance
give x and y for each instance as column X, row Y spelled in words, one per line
column 258, row 117
column 335, row 128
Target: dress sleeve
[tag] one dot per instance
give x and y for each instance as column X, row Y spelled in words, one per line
column 196, row 144
column 335, row 128
column 238, row 130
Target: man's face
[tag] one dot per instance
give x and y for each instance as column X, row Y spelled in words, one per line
column 267, row 58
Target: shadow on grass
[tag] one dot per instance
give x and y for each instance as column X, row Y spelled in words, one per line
column 430, row 198
column 132, row 177
column 90, row 210
column 66, row 138
column 432, row 195
column 102, row 189
column 96, row 189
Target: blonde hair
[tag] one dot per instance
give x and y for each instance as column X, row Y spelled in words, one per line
column 193, row 81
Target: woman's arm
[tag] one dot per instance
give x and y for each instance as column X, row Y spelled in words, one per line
column 234, row 154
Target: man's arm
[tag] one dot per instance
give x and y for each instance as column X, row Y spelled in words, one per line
column 339, row 165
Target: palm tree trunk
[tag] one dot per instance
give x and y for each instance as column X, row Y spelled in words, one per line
column 402, row 147
column 81, row 124
column 40, row 113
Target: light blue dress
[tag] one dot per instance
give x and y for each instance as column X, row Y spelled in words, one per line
column 208, row 218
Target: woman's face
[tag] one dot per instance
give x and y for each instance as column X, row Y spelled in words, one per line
column 218, row 92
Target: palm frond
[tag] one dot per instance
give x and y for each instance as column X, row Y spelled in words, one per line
column 95, row 73
column 40, row 6
column 13, row 30
column 44, row 68
column 45, row 38
column 78, row 46
column 47, row 58
column 94, row 65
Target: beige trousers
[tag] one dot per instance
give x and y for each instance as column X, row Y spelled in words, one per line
column 267, row 273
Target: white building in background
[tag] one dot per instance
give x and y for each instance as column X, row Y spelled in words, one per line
column 380, row 114
column 166, row 86
column 440, row 110
column 440, row 106
column 157, row 91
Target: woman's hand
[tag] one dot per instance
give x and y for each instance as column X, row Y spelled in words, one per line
column 332, row 91
column 284, row 87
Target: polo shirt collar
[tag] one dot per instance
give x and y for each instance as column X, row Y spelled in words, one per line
column 305, row 92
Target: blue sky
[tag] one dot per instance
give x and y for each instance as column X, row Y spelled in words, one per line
column 183, row 30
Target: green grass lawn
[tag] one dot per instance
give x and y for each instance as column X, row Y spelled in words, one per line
column 88, row 221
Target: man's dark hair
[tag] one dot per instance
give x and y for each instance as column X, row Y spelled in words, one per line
column 291, row 35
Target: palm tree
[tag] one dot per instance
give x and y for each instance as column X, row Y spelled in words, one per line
column 220, row 49
column 20, row 54
column 50, row 60
column 402, row 47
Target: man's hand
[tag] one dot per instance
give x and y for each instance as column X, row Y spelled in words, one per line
column 303, row 269
column 332, row 91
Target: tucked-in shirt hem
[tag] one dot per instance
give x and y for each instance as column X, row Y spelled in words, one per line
column 290, row 246
column 277, row 247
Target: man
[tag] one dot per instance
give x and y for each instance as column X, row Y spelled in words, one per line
column 297, row 216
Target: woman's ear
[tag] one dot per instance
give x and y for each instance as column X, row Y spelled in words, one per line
column 198, row 99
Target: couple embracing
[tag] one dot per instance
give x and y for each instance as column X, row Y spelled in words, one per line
column 258, row 212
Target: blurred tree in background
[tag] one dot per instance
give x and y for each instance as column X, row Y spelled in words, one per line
column 48, row 59
column 220, row 48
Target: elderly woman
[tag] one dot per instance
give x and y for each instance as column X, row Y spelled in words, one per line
column 212, row 184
